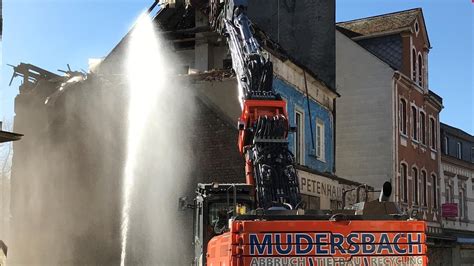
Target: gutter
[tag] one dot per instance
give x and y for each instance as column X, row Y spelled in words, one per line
column 381, row 34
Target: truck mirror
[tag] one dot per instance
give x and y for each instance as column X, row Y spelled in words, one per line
column 385, row 192
column 183, row 204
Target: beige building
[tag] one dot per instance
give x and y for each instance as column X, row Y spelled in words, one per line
column 457, row 192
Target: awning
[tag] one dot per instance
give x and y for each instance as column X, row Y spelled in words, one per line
column 441, row 237
column 465, row 240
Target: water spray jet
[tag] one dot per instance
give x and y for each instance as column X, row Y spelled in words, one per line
column 144, row 63
column 158, row 156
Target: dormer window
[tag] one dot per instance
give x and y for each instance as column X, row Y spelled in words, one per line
column 446, row 145
column 459, row 150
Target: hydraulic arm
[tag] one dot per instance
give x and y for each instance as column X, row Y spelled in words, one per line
column 263, row 125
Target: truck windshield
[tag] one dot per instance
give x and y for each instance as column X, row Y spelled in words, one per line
column 218, row 214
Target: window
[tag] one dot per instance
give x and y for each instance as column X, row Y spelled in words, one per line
column 435, row 191
column 311, row 202
column 404, row 182
column 217, row 213
column 459, row 150
column 415, row 186
column 425, row 187
column 472, row 154
column 420, row 70
column 414, row 124
column 462, row 201
column 446, row 145
column 403, row 116
column 413, row 66
column 423, row 127
column 299, row 137
column 335, row 204
column 449, row 192
column 432, row 133
column 320, row 140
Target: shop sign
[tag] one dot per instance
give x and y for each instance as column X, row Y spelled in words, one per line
column 323, row 187
column 449, row 210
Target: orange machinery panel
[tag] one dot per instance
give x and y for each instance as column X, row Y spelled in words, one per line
column 306, row 242
column 252, row 110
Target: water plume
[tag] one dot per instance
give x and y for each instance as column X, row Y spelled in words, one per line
column 144, row 61
column 158, row 153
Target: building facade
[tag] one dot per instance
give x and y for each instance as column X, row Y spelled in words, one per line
column 457, row 191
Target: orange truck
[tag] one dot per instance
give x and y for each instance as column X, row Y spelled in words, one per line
column 228, row 231
column 264, row 221
column 314, row 242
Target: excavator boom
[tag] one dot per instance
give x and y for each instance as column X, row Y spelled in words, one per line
column 263, row 125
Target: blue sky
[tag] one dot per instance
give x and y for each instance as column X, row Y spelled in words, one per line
column 53, row 33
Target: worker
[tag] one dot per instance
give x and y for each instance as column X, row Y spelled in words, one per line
column 220, row 223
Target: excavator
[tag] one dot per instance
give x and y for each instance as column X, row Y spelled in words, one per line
column 264, row 221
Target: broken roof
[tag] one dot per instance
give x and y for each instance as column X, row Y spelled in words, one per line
column 391, row 22
column 178, row 23
column 6, row 136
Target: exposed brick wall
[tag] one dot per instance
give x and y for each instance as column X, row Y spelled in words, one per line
column 217, row 155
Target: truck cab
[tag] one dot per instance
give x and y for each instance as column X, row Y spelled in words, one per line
column 214, row 205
